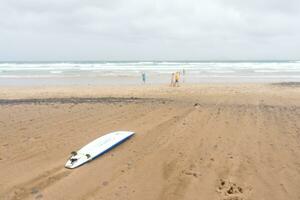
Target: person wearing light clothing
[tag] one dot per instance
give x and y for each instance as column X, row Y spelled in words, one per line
column 177, row 77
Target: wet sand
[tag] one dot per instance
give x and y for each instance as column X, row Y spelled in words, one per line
column 212, row 141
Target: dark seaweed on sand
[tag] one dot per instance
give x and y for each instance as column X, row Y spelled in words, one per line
column 77, row 100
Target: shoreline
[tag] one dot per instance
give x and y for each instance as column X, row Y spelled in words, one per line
column 136, row 81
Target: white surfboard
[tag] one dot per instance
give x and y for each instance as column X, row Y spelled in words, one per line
column 96, row 148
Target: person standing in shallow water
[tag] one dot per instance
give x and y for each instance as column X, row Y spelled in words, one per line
column 172, row 80
column 144, row 77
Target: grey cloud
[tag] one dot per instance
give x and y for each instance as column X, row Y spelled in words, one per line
column 134, row 29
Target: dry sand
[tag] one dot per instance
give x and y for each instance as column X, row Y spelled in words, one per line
column 223, row 142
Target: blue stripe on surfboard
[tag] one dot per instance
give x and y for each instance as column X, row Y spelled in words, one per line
column 103, row 152
column 118, row 143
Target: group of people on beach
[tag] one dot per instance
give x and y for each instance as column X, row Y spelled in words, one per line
column 175, row 78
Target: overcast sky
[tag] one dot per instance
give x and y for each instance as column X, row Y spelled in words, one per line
column 149, row 29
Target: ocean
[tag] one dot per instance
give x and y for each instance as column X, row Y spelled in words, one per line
column 157, row 72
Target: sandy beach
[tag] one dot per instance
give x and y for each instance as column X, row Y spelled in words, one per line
column 209, row 141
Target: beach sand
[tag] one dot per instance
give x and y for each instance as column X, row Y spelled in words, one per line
column 210, row 141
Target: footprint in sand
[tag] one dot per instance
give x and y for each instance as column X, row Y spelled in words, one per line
column 230, row 191
column 105, row 183
column 36, row 193
column 191, row 173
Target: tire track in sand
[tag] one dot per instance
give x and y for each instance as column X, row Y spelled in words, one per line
column 34, row 187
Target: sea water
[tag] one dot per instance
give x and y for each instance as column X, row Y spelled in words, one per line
column 157, row 72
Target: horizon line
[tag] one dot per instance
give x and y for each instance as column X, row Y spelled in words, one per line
column 159, row 60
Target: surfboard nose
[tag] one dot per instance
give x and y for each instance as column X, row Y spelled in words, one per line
column 69, row 165
column 73, row 161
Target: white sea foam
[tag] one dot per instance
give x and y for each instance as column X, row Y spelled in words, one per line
column 29, row 76
column 56, row 72
column 263, row 70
